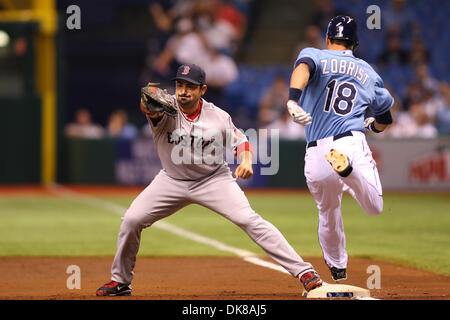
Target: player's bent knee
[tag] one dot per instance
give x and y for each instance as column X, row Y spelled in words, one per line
column 133, row 223
column 376, row 209
column 243, row 222
column 247, row 221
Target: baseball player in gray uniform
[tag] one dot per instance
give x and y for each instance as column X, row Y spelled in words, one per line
column 189, row 145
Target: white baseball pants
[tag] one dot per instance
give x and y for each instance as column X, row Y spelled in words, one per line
column 327, row 188
column 218, row 192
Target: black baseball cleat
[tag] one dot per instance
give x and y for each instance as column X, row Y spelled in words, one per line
column 338, row 274
column 311, row 280
column 114, row 288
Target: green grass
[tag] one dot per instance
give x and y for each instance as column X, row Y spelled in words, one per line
column 62, row 227
column 413, row 230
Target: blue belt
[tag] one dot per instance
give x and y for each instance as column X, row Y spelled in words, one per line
column 336, row 137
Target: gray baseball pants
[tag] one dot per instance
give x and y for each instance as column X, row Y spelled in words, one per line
column 218, row 192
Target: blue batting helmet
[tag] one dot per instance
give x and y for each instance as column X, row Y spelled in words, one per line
column 343, row 28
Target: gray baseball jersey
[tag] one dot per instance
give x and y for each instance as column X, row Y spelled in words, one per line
column 191, row 148
column 194, row 172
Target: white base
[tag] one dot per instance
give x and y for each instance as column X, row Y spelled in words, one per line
column 330, row 291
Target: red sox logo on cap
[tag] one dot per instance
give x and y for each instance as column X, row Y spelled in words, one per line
column 191, row 73
column 185, row 70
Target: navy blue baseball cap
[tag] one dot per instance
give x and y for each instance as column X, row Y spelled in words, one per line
column 343, row 28
column 191, row 73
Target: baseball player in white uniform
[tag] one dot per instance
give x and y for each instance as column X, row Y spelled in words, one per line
column 189, row 145
column 330, row 92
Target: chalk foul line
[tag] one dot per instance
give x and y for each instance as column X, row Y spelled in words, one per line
column 247, row 256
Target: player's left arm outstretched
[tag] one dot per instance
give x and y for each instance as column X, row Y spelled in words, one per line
column 156, row 102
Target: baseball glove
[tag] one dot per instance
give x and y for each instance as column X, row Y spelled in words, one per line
column 156, row 100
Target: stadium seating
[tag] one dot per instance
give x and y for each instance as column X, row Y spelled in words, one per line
column 247, row 90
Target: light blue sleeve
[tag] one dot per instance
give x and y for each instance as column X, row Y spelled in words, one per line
column 383, row 100
column 311, row 53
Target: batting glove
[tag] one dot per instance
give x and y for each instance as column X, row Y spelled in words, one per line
column 299, row 115
column 369, row 125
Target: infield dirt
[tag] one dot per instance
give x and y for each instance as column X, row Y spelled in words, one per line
column 203, row 278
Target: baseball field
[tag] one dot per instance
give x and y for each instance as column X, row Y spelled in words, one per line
column 195, row 254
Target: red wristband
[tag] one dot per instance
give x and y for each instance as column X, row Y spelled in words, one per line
column 245, row 146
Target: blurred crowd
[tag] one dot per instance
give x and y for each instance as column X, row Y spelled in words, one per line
column 118, row 126
column 422, row 103
column 422, row 107
column 210, row 33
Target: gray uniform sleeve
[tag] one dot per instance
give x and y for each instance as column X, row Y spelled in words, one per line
column 157, row 126
column 235, row 138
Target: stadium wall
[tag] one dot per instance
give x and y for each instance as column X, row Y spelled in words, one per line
column 413, row 164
